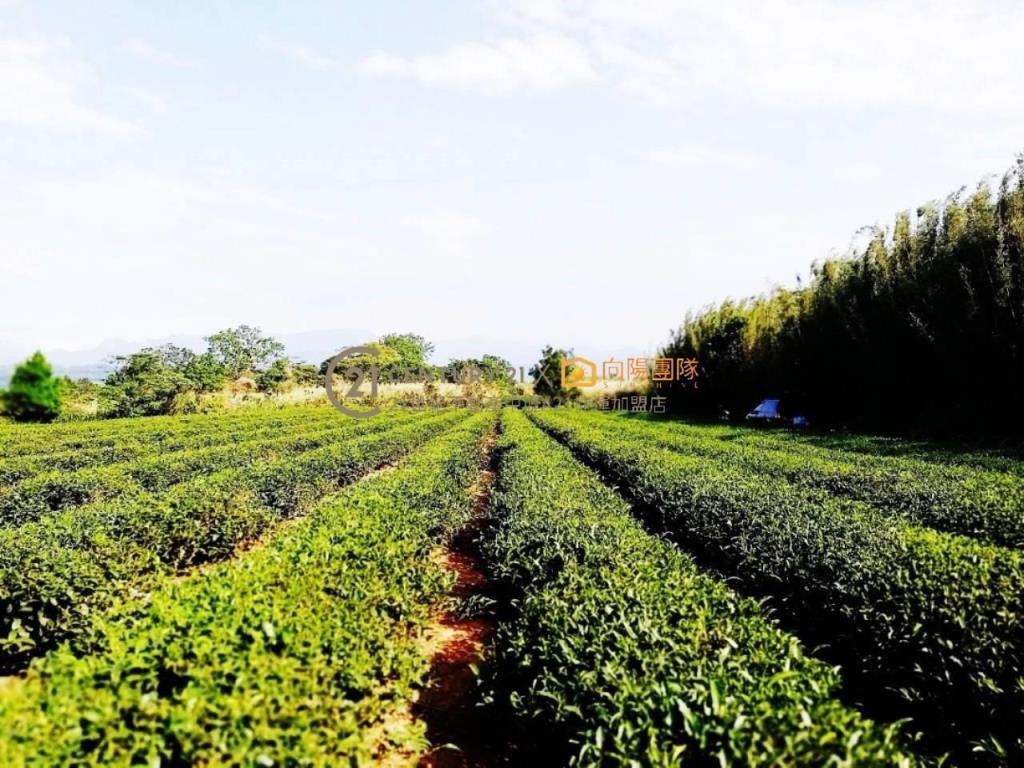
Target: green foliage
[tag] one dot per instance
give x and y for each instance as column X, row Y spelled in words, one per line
column 78, row 390
column 55, row 572
column 413, row 350
column 171, row 355
column 244, row 350
column 143, row 384
column 624, row 650
column 33, row 394
column 924, row 624
column 406, row 357
column 295, row 654
column 204, row 372
column 158, row 469
column 547, row 376
column 160, row 380
column 400, row 357
column 982, row 504
column 274, row 378
column 72, row 446
column 920, row 330
column 306, row 375
column 489, row 369
column 386, row 357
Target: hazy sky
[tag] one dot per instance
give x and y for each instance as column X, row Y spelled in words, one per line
column 529, row 169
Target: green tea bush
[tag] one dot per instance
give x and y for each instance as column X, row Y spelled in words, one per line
column 981, row 504
column 131, row 446
column 624, row 649
column 56, row 571
column 294, row 654
column 37, row 439
column 928, row 622
column 52, row 491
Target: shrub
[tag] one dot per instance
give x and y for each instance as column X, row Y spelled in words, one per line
column 624, row 649
column 143, row 385
column 547, row 376
column 298, row 653
column 275, row 378
column 33, row 394
column 926, row 624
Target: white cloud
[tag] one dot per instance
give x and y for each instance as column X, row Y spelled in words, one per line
column 300, row 54
column 146, row 50
column 538, row 61
column 37, row 89
column 793, row 54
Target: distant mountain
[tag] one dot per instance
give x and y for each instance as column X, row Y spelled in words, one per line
column 95, row 362
column 94, row 372
column 317, row 346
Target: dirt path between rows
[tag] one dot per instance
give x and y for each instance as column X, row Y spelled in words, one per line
column 459, row 639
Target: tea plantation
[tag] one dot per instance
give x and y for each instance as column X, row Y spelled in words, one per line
column 283, row 586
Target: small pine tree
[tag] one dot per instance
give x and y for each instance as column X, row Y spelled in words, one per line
column 33, row 394
column 547, row 376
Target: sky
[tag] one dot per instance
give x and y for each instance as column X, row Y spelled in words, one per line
column 528, row 171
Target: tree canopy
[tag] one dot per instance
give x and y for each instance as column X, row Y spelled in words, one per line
column 547, row 375
column 33, row 394
column 922, row 329
column 244, row 350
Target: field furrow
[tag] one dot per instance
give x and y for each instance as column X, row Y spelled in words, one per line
column 23, row 440
column 623, row 653
column 988, row 506
column 133, row 448
column 50, row 492
column 55, row 572
column 298, row 653
column 925, row 624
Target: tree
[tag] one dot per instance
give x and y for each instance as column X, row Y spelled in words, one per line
column 172, row 355
column 275, row 377
column 410, row 347
column 306, row 375
column 497, row 370
column 408, row 358
column 78, row 389
column 400, row 357
column 33, row 394
column 205, row 373
column 244, row 350
column 463, row 371
column 385, row 359
column 918, row 329
column 490, row 369
column 547, row 375
column 143, row 385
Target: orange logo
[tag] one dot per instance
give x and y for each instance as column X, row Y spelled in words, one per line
column 578, row 372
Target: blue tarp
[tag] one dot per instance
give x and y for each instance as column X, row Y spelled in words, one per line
column 766, row 409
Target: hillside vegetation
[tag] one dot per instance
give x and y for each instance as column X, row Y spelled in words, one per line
column 922, row 330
